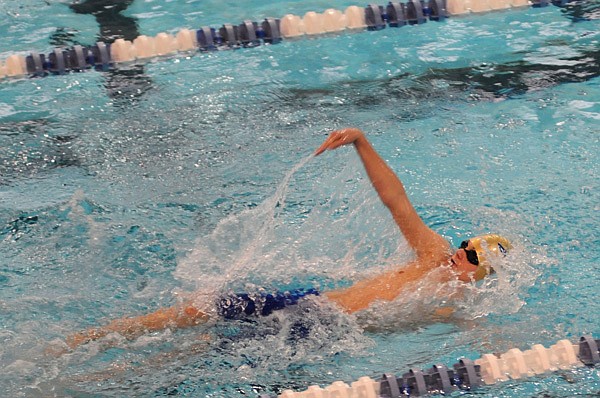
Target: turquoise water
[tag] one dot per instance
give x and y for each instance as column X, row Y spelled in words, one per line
column 122, row 192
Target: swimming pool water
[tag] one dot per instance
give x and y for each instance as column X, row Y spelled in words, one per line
column 122, row 191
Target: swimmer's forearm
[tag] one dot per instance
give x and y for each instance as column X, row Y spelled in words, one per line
column 384, row 180
column 391, row 191
column 393, row 195
column 172, row 317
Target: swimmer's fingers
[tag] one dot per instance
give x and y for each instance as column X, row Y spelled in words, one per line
column 327, row 144
column 339, row 138
column 56, row 348
column 75, row 340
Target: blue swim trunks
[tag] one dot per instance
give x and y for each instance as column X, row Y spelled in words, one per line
column 242, row 305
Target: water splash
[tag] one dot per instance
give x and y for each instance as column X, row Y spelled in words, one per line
column 235, row 248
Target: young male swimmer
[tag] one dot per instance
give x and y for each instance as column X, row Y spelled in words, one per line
column 467, row 263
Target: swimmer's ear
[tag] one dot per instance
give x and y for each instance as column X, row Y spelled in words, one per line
column 483, row 270
column 485, row 245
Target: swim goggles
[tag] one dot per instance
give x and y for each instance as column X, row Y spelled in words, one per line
column 471, row 254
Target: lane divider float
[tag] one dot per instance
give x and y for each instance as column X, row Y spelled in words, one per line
column 464, row 375
column 105, row 56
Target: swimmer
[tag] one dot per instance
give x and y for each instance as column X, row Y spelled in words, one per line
column 467, row 264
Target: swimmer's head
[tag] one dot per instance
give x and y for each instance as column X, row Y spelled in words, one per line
column 471, row 259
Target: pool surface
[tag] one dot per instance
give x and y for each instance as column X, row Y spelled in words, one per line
column 124, row 191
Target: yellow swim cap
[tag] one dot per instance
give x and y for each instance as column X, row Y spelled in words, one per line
column 492, row 243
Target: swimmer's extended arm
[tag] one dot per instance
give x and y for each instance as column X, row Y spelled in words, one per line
column 180, row 316
column 425, row 242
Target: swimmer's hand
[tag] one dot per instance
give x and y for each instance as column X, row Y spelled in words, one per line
column 339, row 138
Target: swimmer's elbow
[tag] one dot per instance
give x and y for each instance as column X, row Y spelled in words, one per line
column 445, row 312
column 348, row 303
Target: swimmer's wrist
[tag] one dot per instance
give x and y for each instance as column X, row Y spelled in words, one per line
column 360, row 140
